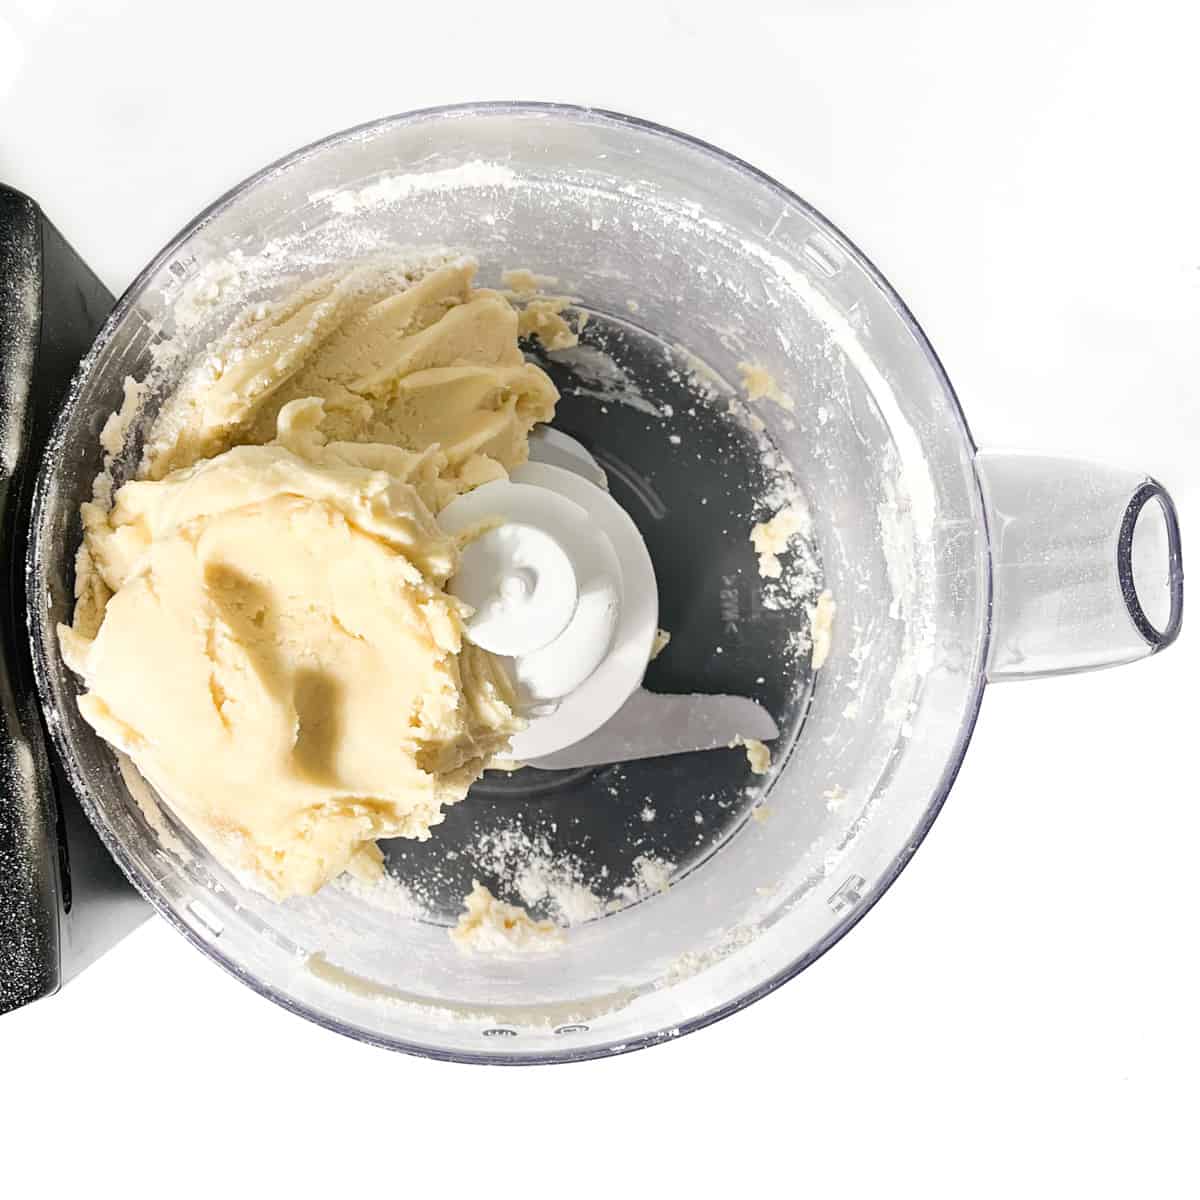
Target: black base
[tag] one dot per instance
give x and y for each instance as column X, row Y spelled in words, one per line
column 62, row 900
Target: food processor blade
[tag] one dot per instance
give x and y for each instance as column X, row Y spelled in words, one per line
column 650, row 726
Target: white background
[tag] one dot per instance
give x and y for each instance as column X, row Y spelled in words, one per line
column 1019, row 1015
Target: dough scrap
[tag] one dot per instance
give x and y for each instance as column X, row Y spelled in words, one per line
column 820, row 616
column 525, row 284
column 759, row 384
column 491, row 927
column 770, row 539
column 431, row 363
column 542, row 318
column 757, row 753
column 262, row 623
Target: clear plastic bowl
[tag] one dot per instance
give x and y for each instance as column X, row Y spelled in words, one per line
column 711, row 254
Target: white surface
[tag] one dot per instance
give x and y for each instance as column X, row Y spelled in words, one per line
column 1019, row 1015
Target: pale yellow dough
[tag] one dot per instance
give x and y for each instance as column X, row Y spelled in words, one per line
column 542, row 318
column 662, row 639
column 757, row 753
column 491, row 927
column 759, row 384
column 820, row 616
column 770, row 539
column 262, row 623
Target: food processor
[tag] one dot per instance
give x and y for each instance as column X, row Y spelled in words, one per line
column 690, row 885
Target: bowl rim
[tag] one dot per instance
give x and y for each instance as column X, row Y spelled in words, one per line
column 43, row 655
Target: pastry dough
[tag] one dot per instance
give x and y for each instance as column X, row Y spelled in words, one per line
column 262, row 622
column 492, row 927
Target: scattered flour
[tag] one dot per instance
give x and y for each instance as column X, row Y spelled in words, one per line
column 699, row 376
column 393, row 188
column 693, row 962
column 557, row 882
column 384, row 892
column 528, row 865
column 650, row 875
column 599, row 377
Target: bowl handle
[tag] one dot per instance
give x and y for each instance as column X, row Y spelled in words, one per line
column 1087, row 568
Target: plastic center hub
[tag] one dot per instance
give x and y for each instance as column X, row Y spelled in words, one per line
column 545, row 584
column 561, row 585
column 521, row 584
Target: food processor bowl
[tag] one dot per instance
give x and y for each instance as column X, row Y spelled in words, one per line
column 947, row 567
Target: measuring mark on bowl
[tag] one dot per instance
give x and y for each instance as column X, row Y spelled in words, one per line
column 823, row 255
column 849, row 894
column 206, row 917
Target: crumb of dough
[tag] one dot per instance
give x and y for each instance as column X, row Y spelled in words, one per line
column 542, row 318
column 525, row 284
column 759, row 384
column 761, row 813
column 491, row 927
column 262, row 622
column 770, row 539
column 112, row 436
column 820, row 616
column 757, row 754
column 834, row 797
column 661, row 640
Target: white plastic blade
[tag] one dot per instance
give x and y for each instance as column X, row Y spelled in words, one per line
column 650, row 725
column 557, row 449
